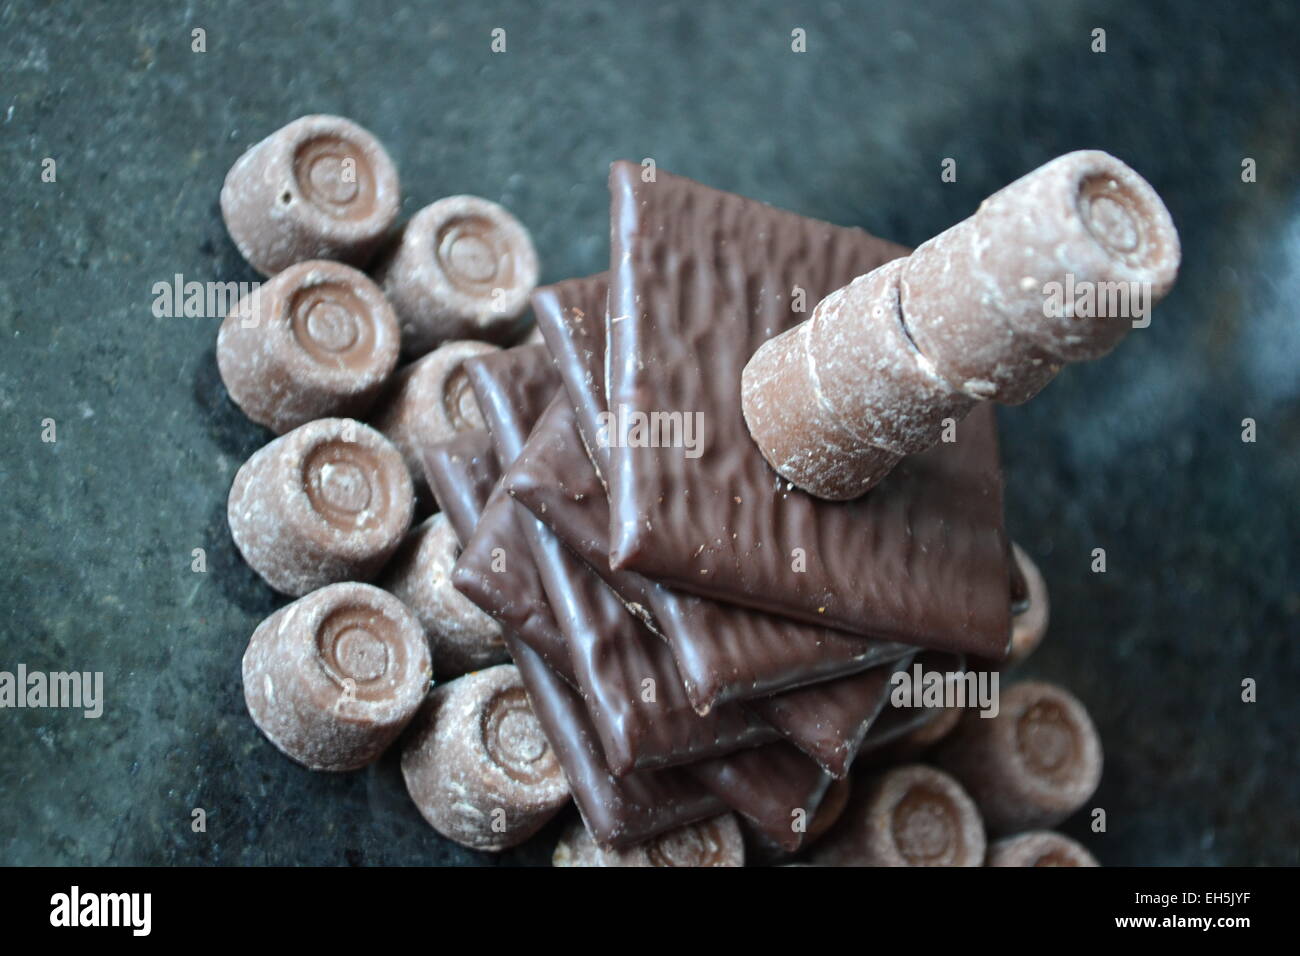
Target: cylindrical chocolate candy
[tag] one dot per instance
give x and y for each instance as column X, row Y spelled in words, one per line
column 320, row 188
column 1031, row 766
column 318, row 340
column 430, row 402
column 330, row 501
column 1039, row 848
column 713, row 842
column 463, row 268
column 988, row 309
column 334, row 677
column 1084, row 219
column 462, row 637
column 912, row 815
column 477, row 764
column 1028, row 621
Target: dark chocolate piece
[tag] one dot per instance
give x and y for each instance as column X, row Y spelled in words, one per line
column 829, row 721
column 723, row 651
column 776, row 788
column 334, row 677
column 626, row 674
column 1032, row 765
column 699, row 279
column 618, row 812
column 478, row 765
column 895, row 724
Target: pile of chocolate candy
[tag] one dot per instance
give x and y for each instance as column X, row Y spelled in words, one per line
column 684, row 548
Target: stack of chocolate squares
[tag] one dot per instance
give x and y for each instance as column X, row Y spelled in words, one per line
column 695, row 632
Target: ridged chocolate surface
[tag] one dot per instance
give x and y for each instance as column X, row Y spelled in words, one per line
column 556, row 480
column 618, row 812
column 699, row 279
column 723, row 651
column 626, row 674
column 772, row 787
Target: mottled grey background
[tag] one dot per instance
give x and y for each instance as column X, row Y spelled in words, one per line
column 1139, row 454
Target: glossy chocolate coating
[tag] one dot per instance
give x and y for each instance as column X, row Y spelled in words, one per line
column 1031, row 766
column 330, row 501
column 462, row 268
column 461, row 636
column 317, row 340
column 319, row 188
column 619, row 812
column 478, row 765
column 912, row 815
column 699, row 279
column 625, row 673
column 334, row 677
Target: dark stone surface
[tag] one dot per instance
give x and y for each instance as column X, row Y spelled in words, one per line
column 1139, row 454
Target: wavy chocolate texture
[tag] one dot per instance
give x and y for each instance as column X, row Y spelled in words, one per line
column 699, row 279
column 627, row 677
column 723, row 651
column 554, row 477
column 776, row 788
column 618, row 812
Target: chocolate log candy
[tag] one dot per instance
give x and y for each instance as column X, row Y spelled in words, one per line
column 979, row 312
column 462, row 269
column 320, row 188
column 713, row 842
column 909, row 816
column 330, row 501
column 621, row 811
column 1032, row 765
column 430, row 401
column 462, row 637
column 1039, row 848
column 699, row 280
column 478, row 765
column 334, row 677
column 1029, row 617
column 318, row 340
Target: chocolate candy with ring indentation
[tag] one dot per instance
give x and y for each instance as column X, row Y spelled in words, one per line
column 713, row 842
column 330, row 501
column 1031, row 766
column 429, row 402
column 978, row 312
column 462, row 637
column 319, row 188
column 912, row 815
column 462, row 268
column 334, row 677
column 317, row 340
column 478, row 765
column 1039, row 848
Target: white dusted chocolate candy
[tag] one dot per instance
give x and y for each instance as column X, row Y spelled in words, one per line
column 477, row 764
column 319, row 188
column 334, row 677
column 713, row 842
